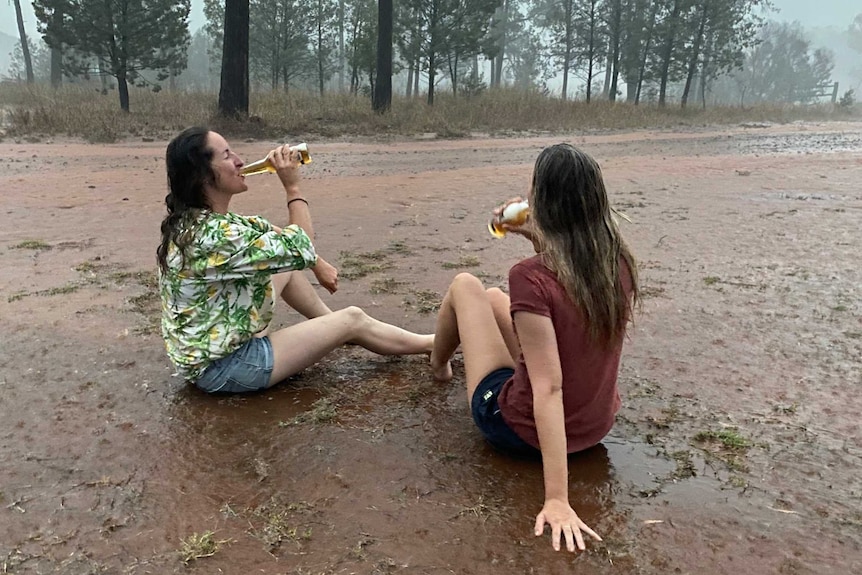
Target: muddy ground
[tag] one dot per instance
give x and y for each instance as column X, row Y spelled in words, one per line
column 737, row 449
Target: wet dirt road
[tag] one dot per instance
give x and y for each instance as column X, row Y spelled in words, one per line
column 737, row 449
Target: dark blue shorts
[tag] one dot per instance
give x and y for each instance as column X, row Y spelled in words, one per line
column 486, row 414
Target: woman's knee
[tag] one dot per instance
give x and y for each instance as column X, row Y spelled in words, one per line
column 496, row 295
column 465, row 283
column 355, row 316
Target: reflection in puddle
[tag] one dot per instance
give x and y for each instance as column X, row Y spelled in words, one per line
column 615, row 469
column 401, row 459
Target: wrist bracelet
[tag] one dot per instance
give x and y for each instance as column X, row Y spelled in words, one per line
column 297, row 200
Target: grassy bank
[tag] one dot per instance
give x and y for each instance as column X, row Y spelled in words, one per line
column 35, row 111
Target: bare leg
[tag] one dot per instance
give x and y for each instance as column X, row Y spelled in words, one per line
column 500, row 304
column 467, row 317
column 299, row 346
column 297, row 292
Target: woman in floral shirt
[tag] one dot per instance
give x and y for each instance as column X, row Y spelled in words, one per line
column 218, row 272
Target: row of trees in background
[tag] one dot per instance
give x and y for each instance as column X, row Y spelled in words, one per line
column 660, row 50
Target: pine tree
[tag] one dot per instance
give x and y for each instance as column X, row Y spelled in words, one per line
column 125, row 37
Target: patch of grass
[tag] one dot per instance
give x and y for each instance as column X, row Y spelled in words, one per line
column 59, row 290
column 480, row 509
column 89, row 267
column 840, row 308
column 197, row 546
column 469, row 261
column 322, row 411
column 149, row 305
column 424, row 301
column 32, row 245
column 684, row 465
column 399, row 247
column 669, row 415
column 227, row 511
column 785, row 409
column 728, row 438
column 711, row 280
column 737, row 481
column 650, row 291
column 355, row 266
column 385, row 285
column 357, row 552
column 734, row 463
column 276, row 525
column 75, row 110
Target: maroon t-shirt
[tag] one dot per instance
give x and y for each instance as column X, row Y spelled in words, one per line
column 590, row 396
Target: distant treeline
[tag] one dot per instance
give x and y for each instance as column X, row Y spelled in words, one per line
column 662, row 51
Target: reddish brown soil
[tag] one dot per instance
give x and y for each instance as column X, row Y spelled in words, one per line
column 751, row 329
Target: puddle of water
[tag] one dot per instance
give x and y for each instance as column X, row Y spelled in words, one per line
column 806, row 143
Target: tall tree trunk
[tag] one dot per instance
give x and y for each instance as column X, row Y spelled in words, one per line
column 56, row 67
column 566, row 64
column 592, row 50
column 667, row 51
column 645, row 55
column 123, row 89
column 498, row 61
column 567, row 57
column 474, row 72
column 25, row 46
column 103, row 76
column 432, row 52
column 695, row 54
column 320, row 71
column 616, row 18
column 341, row 59
column 234, row 89
column 383, row 90
column 453, row 73
column 608, row 67
column 409, row 80
column 57, row 54
column 704, row 72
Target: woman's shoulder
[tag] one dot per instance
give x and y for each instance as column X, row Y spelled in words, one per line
column 231, row 223
column 531, row 266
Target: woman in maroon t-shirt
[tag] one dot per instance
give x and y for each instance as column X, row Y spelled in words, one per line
column 541, row 364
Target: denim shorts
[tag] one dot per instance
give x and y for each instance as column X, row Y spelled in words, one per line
column 247, row 369
column 486, row 414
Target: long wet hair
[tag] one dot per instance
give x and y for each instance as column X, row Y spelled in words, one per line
column 579, row 239
column 189, row 165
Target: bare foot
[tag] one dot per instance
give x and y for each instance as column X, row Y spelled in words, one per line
column 441, row 371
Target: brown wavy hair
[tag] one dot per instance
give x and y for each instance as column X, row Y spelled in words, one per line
column 189, row 165
column 580, row 240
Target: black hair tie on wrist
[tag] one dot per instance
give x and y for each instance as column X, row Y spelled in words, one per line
column 297, row 200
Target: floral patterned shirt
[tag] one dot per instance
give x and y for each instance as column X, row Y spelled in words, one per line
column 221, row 296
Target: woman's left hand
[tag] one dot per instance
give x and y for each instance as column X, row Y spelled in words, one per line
column 286, row 162
column 564, row 523
column 326, row 274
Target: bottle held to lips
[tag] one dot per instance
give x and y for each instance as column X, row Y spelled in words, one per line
column 514, row 214
column 265, row 166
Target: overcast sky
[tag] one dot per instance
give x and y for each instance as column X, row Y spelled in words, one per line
column 809, row 12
